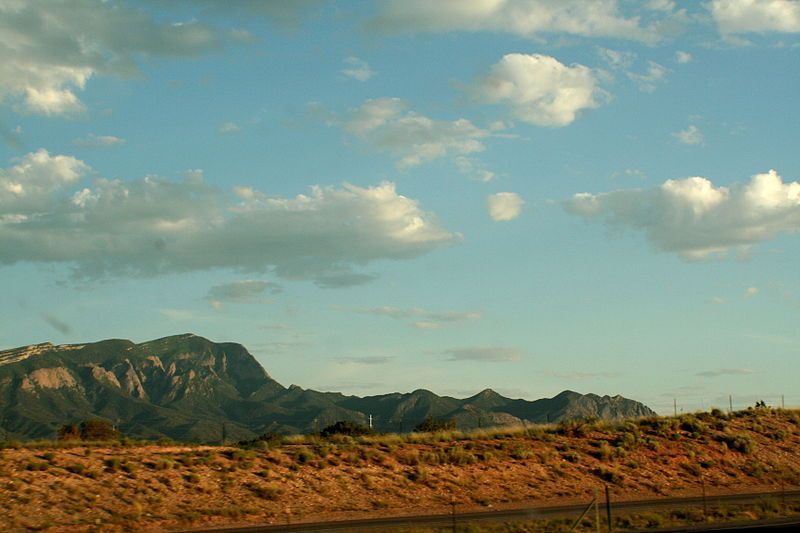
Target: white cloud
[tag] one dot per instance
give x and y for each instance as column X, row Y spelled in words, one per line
column 422, row 319
column 683, row 57
column 750, row 292
column 691, row 135
column 28, row 186
column 411, row 138
column 50, row 50
column 486, row 354
column 648, row 81
column 756, row 16
column 98, row 141
column 694, row 218
column 357, row 69
column 152, row 226
column 539, row 89
column 245, row 291
column 616, row 59
column 528, row 18
column 504, row 205
column 229, row 127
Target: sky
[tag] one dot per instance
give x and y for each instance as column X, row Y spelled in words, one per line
column 379, row 196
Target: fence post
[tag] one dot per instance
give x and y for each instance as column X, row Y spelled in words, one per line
column 608, row 509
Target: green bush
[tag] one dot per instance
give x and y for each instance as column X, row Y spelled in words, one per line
column 431, row 425
column 346, row 427
column 738, row 442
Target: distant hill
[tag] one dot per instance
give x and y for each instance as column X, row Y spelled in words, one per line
column 191, row 389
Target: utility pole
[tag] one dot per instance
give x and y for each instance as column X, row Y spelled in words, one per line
column 370, row 421
column 783, row 405
column 675, row 406
column 730, row 403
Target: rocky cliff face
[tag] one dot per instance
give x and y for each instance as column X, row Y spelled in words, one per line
column 187, row 388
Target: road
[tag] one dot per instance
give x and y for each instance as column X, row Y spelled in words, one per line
column 528, row 513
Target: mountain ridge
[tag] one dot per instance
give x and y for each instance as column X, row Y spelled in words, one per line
column 189, row 388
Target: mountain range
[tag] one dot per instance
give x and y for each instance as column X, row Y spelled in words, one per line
column 188, row 388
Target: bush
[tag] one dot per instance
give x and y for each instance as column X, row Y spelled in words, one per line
column 346, row 427
column 738, row 442
column 263, row 442
column 431, row 425
column 94, row 429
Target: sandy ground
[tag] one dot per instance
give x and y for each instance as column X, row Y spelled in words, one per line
column 156, row 488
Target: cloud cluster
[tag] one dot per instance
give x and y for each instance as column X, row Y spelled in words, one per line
column 152, row 226
column 752, row 16
column 413, row 139
column 539, row 89
column 694, row 218
column 487, row 354
column 421, row 318
column 528, row 18
column 50, row 49
column 504, row 206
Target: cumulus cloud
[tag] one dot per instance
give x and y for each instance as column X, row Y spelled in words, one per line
column 750, row 292
column 98, row 141
column 151, row 226
column 691, row 135
column 421, row 318
column 245, row 291
column 413, row 139
column 695, row 219
column 540, row 90
column 683, row 57
column 487, row 354
column 504, row 205
column 648, row 80
column 527, row 18
column 725, row 372
column 756, row 16
column 51, row 49
column 357, row 69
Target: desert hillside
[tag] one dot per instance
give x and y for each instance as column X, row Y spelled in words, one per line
column 84, row 487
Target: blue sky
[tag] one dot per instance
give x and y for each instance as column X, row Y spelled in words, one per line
column 527, row 195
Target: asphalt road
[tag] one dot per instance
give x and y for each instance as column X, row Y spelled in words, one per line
column 531, row 513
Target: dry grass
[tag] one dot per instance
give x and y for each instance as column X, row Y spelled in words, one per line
column 81, row 488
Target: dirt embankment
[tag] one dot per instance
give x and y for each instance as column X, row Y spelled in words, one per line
column 86, row 488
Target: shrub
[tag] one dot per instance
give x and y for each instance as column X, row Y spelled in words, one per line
column 346, row 427
column 265, row 492
column 98, row 429
column 69, row 432
column 431, row 425
column 738, row 442
column 607, row 474
column 75, row 468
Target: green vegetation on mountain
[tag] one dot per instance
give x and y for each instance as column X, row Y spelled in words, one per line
column 190, row 389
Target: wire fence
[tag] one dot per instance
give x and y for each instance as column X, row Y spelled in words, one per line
column 667, row 404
